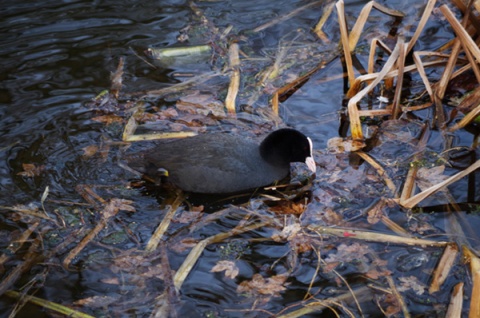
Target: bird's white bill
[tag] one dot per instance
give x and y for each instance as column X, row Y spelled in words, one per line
column 311, row 164
column 309, row 161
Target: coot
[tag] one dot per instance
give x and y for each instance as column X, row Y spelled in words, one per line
column 226, row 163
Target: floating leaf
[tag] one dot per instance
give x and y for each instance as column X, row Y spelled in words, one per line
column 231, row 270
column 30, row 170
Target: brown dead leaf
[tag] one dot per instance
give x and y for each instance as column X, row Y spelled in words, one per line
column 411, row 282
column 108, row 119
column 230, row 268
column 263, row 286
column 115, row 205
column 188, row 217
column 111, row 280
column 348, row 253
column 329, row 266
column 30, row 170
column 89, row 151
column 376, row 213
column 394, row 306
column 330, row 217
column 288, row 207
column 184, row 245
column 340, row 145
column 288, row 232
column 97, row 301
column 301, row 243
column 376, row 274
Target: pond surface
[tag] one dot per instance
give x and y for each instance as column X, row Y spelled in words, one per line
column 56, row 57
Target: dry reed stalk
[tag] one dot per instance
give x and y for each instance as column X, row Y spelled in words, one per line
column 286, row 17
column 413, row 201
column 355, row 124
column 374, row 237
column 452, row 61
column 397, row 229
column 467, row 119
column 31, row 258
column 421, row 25
column 375, row 112
column 195, row 252
column 108, row 212
column 342, row 23
column 327, row 11
column 26, row 211
column 418, row 107
column 409, row 184
column 145, row 137
column 456, row 302
column 474, row 261
column 472, row 19
column 398, row 296
column 162, row 228
column 131, row 126
column 393, row 73
column 462, row 34
column 361, row 294
column 14, row 246
column 371, row 57
column 362, row 19
column 400, row 65
column 64, row 310
column 421, row 71
column 234, row 78
column 165, row 303
column 444, row 267
column 381, row 172
column 292, row 86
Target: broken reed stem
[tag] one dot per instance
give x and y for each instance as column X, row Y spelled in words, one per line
column 456, row 302
column 409, row 184
column 342, row 23
column 462, row 34
column 396, row 109
column 381, row 172
column 443, row 267
column 467, row 119
column 362, row 19
column 421, row 71
column 327, row 11
column 31, row 258
column 374, row 237
column 355, row 124
column 13, row 247
column 234, row 78
column 195, row 253
column 413, row 201
column 68, row 312
column 423, row 21
column 361, row 294
column 474, row 261
column 108, row 212
column 398, row 296
column 162, row 228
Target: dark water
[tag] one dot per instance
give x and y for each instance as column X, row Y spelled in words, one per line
column 56, row 56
